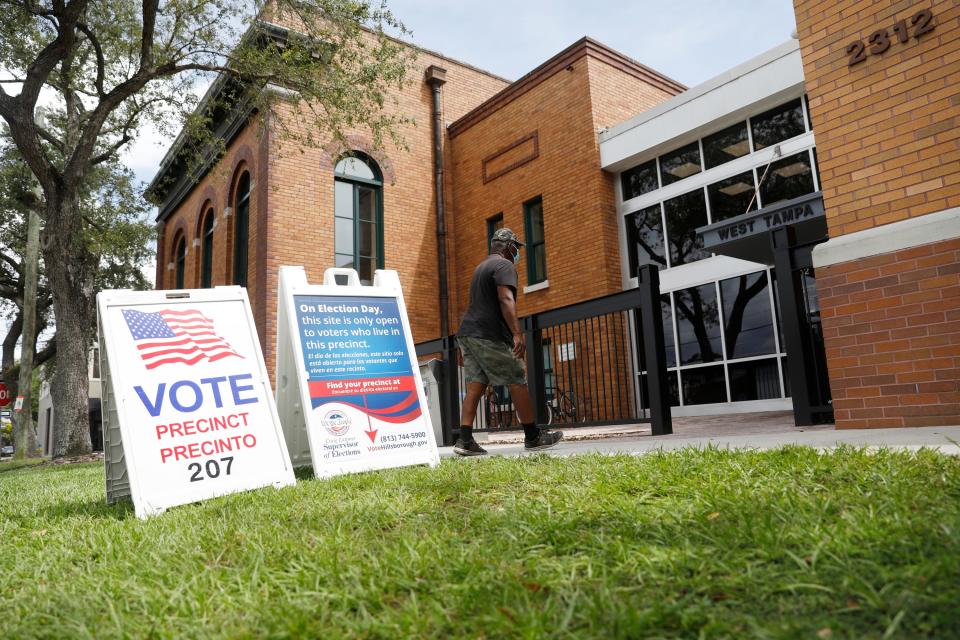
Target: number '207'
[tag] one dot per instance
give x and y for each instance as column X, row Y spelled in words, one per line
column 879, row 41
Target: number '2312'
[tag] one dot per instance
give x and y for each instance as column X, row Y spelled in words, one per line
column 879, row 41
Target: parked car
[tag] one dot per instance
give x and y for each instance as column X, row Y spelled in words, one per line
column 6, row 451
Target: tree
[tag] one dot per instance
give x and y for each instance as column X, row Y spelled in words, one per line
column 119, row 241
column 109, row 66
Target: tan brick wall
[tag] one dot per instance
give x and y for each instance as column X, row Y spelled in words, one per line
column 892, row 332
column 887, row 129
column 564, row 110
column 888, row 144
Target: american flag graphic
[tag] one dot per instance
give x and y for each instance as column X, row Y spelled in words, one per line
column 168, row 337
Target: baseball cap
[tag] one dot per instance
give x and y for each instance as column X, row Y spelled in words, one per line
column 506, row 235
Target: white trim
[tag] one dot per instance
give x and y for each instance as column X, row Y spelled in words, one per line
column 702, row 272
column 768, row 79
column 536, row 287
column 913, row 232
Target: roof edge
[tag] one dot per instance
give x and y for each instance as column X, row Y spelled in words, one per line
column 583, row 47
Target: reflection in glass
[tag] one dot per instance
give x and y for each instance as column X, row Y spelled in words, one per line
column 680, row 164
column 354, row 168
column 639, row 180
column 698, row 324
column 343, row 235
column 673, row 390
column 754, row 380
column 704, row 385
column 684, row 214
column 731, row 197
column 645, row 238
column 748, row 323
column 536, row 249
column 669, row 340
column 726, row 145
column 366, row 203
column 787, row 178
column 776, row 125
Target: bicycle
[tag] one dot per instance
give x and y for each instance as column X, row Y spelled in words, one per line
column 561, row 406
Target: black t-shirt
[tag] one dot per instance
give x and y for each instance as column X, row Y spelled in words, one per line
column 483, row 318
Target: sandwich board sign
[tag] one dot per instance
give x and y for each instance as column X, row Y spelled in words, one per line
column 188, row 412
column 348, row 385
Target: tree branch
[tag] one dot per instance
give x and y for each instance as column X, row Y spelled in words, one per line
column 98, row 50
column 149, row 26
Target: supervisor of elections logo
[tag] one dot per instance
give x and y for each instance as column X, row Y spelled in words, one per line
column 336, row 423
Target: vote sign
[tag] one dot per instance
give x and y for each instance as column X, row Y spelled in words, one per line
column 4, row 395
column 189, row 412
column 354, row 360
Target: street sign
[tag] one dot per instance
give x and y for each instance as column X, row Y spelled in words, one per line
column 4, row 395
column 188, row 413
column 348, row 384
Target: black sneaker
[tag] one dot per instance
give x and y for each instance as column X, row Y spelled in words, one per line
column 471, row 448
column 545, row 440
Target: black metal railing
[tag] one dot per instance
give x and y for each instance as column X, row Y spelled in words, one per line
column 582, row 363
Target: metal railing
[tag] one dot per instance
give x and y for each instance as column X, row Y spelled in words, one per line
column 582, row 363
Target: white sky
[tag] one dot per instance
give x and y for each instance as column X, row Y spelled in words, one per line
column 688, row 40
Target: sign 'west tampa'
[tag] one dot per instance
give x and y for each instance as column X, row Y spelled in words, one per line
column 188, row 409
column 792, row 212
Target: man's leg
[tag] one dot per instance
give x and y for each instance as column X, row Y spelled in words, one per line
column 468, row 412
column 534, row 437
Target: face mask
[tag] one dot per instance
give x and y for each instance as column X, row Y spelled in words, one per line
column 516, row 256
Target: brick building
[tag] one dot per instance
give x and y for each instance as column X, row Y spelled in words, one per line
column 794, row 202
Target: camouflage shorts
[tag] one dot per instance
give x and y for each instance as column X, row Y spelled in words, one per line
column 490, row 362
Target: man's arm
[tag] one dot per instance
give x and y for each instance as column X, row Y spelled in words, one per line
column 508, row 306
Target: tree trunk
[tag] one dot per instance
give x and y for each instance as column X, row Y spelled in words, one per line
column 24, row 433
column 70, row 273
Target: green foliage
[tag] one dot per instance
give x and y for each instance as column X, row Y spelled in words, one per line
column 792, row 543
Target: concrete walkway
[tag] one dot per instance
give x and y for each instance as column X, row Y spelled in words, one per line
column 745, row 431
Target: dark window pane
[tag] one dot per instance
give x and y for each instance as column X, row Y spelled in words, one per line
column 684, row 214
column 787, row 178
column 748, row 323
column 536, row 251
column 672, row 387
column 539, row 261
column 704, row 385
column 366, row 203
column 206, row 267
column 645, row 238
column 731, row 197
column 493, row 223
column 343, row 235
column 367, row 267
column 181, row 261
column 639, row 180
column 698, row 324
column 776, row 125
column 535, row 213
column 726, row 145
column 754, row 380
column 368, row 239
column 680, row 164
column 669, row 340
column 241, row 230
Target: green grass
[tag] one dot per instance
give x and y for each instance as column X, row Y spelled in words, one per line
column 782, row 544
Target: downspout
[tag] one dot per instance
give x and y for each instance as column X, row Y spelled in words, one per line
column 436, row 77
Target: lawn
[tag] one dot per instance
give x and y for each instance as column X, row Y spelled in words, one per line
column 784, row 544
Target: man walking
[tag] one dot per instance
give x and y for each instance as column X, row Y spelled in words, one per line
column 492, row 345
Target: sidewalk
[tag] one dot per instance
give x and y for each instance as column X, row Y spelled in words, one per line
column 750, row 431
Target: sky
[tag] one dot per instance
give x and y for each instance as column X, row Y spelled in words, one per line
column 687, row 40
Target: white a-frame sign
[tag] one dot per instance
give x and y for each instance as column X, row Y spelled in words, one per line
column 348, row 385
column 188, row 412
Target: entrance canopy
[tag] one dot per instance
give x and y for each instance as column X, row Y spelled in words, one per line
column 747, row 236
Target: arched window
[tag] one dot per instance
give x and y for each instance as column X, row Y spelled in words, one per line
column 358, row 215
column 180, row 261
column 206, row 250
column 241, row 234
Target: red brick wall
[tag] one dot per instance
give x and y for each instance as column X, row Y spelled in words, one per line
column 580, row 223
column 892, row 331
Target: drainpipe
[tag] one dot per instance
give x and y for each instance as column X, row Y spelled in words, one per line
column 436, row 77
